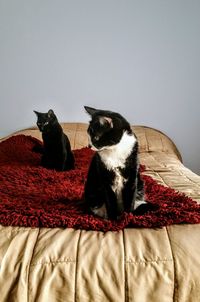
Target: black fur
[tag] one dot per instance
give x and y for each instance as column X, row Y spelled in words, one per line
column 56, row 153
column 106, row 129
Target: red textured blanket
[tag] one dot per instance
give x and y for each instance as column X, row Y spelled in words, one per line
column 33, row 196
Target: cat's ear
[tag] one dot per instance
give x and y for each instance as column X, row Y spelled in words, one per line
column 90, row 110
column 50, row 113
column 105, row 120
column 36, row 112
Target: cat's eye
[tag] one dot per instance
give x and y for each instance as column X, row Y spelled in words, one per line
column 96, row 138
column 46, row 123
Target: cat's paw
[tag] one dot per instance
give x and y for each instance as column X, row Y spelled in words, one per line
column 144, row 208
column 100, row 211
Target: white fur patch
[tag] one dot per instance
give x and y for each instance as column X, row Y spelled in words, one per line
column 115, row 156
column 117, row 186
column 138, row 203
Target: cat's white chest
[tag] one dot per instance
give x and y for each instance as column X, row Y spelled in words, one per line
column 115, row 156
column 114, row 159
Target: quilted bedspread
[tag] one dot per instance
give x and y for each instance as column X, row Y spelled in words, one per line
column 133, row 264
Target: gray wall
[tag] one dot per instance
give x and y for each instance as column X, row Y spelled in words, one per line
column 140, row 58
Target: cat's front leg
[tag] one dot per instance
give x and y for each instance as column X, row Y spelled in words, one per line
column 141, row 206
column 94, row 191
column 139, row 199
column 95, row 199
column 100, row 211
column 114, row 208
column 108, row 208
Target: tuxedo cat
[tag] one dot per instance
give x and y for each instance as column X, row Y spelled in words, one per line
column 56, row 153
column 113, row 183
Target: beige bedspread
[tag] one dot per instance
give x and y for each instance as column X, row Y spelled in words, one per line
column 140, row 265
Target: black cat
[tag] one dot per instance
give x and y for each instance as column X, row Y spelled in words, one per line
column 56, row 153
column 113, row 184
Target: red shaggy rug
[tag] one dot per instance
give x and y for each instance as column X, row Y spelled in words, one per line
column 33, row 196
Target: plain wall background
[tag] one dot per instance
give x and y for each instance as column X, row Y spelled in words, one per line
column 139, row 58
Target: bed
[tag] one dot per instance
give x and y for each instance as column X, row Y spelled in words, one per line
column 133, row 264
